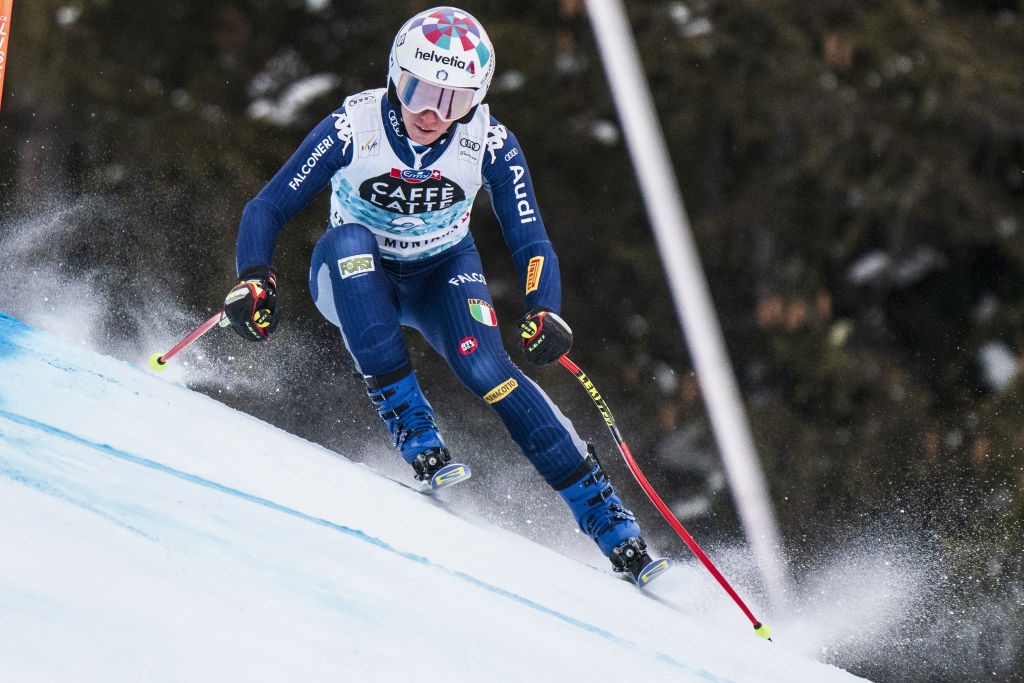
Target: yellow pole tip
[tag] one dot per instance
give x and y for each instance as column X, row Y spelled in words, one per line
column 156, row 361
column 764, row 631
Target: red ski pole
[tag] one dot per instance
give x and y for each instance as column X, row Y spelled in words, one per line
column 760, row 629
column 158, row 361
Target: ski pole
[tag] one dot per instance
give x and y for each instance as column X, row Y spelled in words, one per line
column 760, row 629
column 158, row 361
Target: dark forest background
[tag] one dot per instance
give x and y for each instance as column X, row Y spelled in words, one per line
column 853, row 171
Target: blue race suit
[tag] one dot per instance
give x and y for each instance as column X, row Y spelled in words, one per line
column 398, row 251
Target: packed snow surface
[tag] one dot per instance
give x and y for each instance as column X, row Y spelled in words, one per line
column 151, row 533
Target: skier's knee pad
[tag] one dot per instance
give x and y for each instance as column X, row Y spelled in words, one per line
column 340, row 253
column 345, row 241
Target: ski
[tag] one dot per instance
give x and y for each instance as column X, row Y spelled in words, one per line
column 450, row 474
column 652, row 571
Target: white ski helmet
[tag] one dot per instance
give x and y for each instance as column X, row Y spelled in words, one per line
column 441, row 59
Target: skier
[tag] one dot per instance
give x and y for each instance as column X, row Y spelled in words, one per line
column 404, row 164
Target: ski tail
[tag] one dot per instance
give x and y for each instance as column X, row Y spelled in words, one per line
column 452, row 473
column 652, row 571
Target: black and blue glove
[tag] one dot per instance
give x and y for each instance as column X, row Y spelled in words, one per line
column 546, row 337
column 251, row 305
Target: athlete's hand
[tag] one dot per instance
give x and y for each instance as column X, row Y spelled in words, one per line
column 251, row 305
column 546, row 337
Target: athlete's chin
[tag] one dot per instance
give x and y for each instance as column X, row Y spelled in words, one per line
column 424, row 136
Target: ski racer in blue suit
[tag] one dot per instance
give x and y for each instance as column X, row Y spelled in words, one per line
column 404, row 164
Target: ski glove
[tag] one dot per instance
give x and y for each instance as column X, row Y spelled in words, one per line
column 251, row 305
column 546, row 337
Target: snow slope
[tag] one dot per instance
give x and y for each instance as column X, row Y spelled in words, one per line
column 150, row 533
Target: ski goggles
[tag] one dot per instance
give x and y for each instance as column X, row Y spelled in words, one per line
column 448, row 103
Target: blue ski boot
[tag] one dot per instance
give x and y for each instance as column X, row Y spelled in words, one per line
column 601, row 515
column 410, row 421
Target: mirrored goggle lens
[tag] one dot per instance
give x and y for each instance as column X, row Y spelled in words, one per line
column 448, row 103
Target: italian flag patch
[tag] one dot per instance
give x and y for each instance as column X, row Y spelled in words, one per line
column 482, row 312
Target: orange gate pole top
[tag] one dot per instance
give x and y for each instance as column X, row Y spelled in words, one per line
column 5, row 38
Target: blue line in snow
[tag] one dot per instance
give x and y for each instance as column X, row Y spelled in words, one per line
column 11, row 329
column 192, row 478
